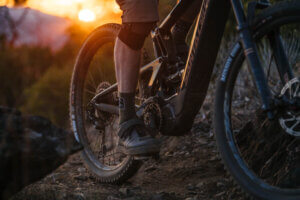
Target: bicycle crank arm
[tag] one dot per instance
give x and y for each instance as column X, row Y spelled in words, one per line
column 112, row 109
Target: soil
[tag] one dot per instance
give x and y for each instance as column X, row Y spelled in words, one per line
column 188, row 168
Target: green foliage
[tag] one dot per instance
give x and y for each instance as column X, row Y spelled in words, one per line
column 19, row 68
column 36, row 80
column 49, row 96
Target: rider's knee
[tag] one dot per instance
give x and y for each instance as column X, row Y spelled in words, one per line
column 134, row 34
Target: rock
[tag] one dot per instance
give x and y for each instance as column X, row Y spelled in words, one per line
column 168, row 154
column 112, row 198
column 81, row 169
column 133, row 198
column 220, row 184
column 192, row 193
column 125, row 191
column 201, row 141
column 57, row 177
column 173, row 143
column 78, row 196
column 150, row 168
column 220, row 194
column 162, row 196
column 81, row 178
column 206, row 106
column 30, row 148
column 200, row 185
column 191, row 198
column 190, row 187
column 157, row 197
column 213, row 158
column 76, row 163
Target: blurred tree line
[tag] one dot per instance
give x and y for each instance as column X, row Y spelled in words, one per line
column 36, row 80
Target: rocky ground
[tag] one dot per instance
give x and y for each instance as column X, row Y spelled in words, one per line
column 30, row 148
column 188, row 169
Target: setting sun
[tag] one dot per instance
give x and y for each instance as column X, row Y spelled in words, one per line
column 86, row 15
column 87, row 12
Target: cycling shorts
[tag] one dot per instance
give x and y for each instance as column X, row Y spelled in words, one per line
column 139, row 10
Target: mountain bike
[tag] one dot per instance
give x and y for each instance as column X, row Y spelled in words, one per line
column 256, row 114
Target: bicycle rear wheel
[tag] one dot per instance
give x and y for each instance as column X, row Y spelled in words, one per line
column 254, row 149
column 96, row 130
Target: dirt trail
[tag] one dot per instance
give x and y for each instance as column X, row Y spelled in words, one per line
column 188, row 169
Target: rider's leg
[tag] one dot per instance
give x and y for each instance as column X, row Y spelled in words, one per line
column 127, row 62
column 138, row 20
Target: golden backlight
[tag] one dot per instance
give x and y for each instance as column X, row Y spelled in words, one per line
column 93, row 12
column 86, row 15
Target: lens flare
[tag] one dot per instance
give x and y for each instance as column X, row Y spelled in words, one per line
column 116, row 8
column 86, row 15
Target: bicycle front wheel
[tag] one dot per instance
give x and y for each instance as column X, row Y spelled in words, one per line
column 257, row 151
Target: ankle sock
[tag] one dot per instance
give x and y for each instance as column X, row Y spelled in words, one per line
column 126, row 106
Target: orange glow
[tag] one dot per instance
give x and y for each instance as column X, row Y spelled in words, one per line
column 86, row 15
column 116, row 8
column 94, row 12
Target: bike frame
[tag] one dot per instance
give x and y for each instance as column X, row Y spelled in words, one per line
column 185, row 104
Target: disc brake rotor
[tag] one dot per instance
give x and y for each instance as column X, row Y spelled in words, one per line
column 105, row 141
column 290, row 120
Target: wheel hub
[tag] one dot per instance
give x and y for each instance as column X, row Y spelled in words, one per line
column 290, row 119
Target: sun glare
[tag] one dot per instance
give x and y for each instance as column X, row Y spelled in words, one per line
column 116, row 8
column 91, row 12
column 86, row 15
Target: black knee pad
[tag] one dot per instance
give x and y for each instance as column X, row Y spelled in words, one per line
column 134, row 34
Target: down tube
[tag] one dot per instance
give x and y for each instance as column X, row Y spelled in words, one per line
column 206, row 43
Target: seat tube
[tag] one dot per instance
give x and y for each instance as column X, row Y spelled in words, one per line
column 250, row 51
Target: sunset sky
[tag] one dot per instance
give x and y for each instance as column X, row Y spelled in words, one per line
column 93, row 12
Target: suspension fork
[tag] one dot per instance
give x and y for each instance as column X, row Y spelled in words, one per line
column 251, row 53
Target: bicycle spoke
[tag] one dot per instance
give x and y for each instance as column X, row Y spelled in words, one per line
column 89, row 92
column 93, row 80
column 269, row 67
column 296, row 91
column 294, row 125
